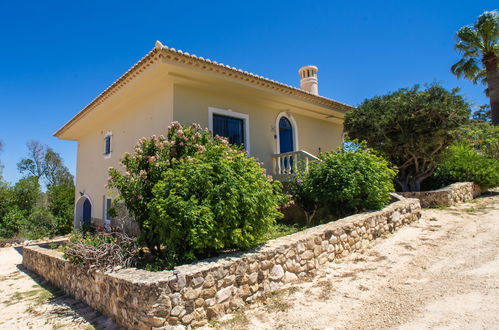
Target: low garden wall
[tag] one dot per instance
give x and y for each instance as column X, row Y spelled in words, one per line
column 195, row 293
column 451, row 195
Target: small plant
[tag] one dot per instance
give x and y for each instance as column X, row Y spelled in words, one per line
column 344, row 182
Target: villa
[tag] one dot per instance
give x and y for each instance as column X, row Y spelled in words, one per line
column 276, row 123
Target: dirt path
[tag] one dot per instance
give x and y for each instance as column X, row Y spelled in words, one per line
column 442, row 272
column 27, row 302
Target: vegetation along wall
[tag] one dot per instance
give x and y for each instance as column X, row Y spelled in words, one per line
column 195, row 293
column 451, row 195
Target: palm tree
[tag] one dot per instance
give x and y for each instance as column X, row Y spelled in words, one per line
column 480, row 49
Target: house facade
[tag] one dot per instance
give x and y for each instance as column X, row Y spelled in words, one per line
column 278, row 124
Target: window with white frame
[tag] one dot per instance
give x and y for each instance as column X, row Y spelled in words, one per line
column 107, row 207
column 107, row 144
column 230, row 124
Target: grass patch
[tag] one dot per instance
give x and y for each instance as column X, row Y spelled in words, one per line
column 274, row 301
column 279, row 230
column 326, row 289
column 238, row 321
column 38, row 295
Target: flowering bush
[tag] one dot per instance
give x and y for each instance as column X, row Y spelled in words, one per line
column 344, row 182
column 194, row 195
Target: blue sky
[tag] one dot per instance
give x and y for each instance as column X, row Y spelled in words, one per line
column 57, row 56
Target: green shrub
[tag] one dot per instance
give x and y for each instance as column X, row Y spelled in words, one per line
column 60, row 200
column 463, row 163
column 481, row 136
column 40, row 223
column 194, row 195
column 344, row 182
column 26, row 193
column 11, row 223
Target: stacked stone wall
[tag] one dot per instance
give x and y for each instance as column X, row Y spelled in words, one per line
column 195, row 293
column 451, row 195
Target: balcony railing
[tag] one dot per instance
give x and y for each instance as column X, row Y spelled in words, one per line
column 288, row 163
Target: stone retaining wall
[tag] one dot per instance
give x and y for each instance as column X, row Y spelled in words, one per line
column 451, row 195
column 195, row 293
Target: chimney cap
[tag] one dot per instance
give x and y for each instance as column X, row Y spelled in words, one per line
column 307, row 67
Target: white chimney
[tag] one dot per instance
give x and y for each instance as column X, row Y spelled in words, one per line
column 308, row 79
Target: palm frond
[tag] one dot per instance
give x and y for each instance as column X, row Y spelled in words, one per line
column 468, row 39
column 474, row 43
column 487, row 27
column 466, row 67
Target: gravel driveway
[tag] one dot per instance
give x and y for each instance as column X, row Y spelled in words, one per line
column 441, row 272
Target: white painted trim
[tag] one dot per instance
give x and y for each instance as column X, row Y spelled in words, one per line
column 75, row 220
column 230, row 113
column 107, row 156
column 295, row 131
column 105, row 220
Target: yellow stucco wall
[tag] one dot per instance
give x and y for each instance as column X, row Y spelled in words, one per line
column 147, row 109
column 142, row 116
column 191, row 105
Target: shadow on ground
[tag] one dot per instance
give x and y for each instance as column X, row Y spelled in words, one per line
column 66, row 306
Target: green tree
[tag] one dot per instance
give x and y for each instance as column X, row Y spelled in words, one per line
column 60, row 200
column 410, row 127
column 6, row 199
column 481, row 136
column 44, row 163
column 26, row 194
column 479, row 47
column 12, row 222
column 482, row 114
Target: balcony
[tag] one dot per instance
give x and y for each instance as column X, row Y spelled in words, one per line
column 285, row 164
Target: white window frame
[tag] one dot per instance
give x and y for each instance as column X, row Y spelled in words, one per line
column 106, row 220
column 292, row 120
column 233, row 114
column 110, row 135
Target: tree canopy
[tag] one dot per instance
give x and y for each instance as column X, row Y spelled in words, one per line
column 409, row 127
column 479, row 47
column 44, row 163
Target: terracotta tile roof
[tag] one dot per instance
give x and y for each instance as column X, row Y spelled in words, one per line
column 178, row 56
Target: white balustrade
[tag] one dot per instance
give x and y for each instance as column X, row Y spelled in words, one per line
column 288, row 163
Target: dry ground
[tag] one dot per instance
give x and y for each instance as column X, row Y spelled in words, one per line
column 28, row 302
column 441, row 272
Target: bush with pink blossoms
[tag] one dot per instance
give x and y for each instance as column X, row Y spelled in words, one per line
column 194, row 195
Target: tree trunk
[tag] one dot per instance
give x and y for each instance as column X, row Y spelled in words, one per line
column 403, row 186
column 490, row 63
column 415, row 185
